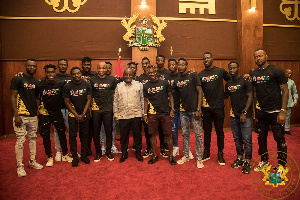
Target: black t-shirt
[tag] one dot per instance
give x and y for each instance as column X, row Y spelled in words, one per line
column 77, row 94
column 26, row 98
column 88, row 75
column 66, row 77
column 175, row 92
column 238, row 89
column 267, row 85
column 186, row 85
column 212, row 85
column 51, row 100
column 157, row 94
column 103, row 90
column 143, row 78
column 163, row 74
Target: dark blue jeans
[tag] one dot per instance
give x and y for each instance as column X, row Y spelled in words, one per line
column 175, row 126
column 242, row 135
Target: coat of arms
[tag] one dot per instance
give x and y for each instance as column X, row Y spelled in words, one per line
column 143, row 36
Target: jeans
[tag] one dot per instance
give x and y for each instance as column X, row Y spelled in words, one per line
column 288, row 118
column 186, row 118
column 103, row 136
column 242, row 135
column 175, row 126
column 65, row 114
column 29, row 128
column 216, row 115
column 266, row 120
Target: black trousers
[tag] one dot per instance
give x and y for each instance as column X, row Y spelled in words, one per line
column 107, row 118
column 160, row 134
column 217, row 116
column 265, row 121
column 58, row 122
column 136, row 125
column 83, row 135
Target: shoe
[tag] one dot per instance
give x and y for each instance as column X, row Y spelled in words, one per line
column 237, row 163
column 21, row 171
column 261, row 165
column 49, row 162
column 115, row 150
column 86, row 160
column 246, row 167
column 206, row 156
column 175, row 151
column 133, row 147
column 147, row 153
column 153, row 160
column 67, row 158
column 140, row 157
column 103, row 151
column 97, row 158
column 89, row 152
column 58, row 156
column 123, row 158
column 109, row 157
column 200, row 163
column 183, row 160
column 75, row 162
column 163, row 153
column 33, row 164
column 191, row 155
column 221, row 159
column 171, row 160
column 288, row 132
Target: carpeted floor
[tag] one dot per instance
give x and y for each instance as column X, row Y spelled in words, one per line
column 139, row 180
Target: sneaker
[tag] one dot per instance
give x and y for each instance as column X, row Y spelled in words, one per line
column 109, row 157
column 67, row 158
column 115, row 150
column 246, row 167
column 261, row 165
column 123, row 158
column 86, row 160
column 153, row 160
column 58, row 156
column 175, row 151
column 172, row 161
column 183, row 160
column 103, row 150
column 221, row 159
column 237, row 163
column 200, row 163
column 97, row 158
column 49, row 162
column 75, row 162
column 21, row 171
column 163, row 153
column 33, row 164
column 287, row 132
column 206, row 156
column 147, row 153
column 191, row 155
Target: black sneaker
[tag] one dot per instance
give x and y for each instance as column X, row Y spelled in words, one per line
column 237, row 163
column 147, row 153
column 221, row 158
column 153, row 160
column 206, row 156
column 123, row 158
column 98, row 158
column 86, row 160
column 287, row 132
column 246, row 167
column 139, row 157
column 109, row 157
column 171, row 160
column 75, row 162
column 163, row 153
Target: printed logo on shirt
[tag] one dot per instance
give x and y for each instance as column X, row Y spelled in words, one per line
column 22, row 110
column 29, row 86
column 171, row 82
column 77, row 92
column 67, row 81
column 145, row 81
column 204, row 102
column 51, row 92
column 155, row 90
column 210, row 78
column 183, row 83
column 260, row 79
column 234, row 88
column 101, row 86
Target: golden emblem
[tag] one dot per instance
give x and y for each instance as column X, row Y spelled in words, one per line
column 288, row 10
column 56, row 3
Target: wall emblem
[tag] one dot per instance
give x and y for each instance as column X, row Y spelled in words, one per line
column 287, row 10
column 200, row 4
column 56, row 3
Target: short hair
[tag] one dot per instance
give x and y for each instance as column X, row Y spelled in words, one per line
column 162, row 56
column 108, row 63
column 207, row 52
column 132, row 63
column 151, row 67
column 49, row 66
column 171, row 59
column 186, row 62
column 233, row 61
column 86, row 59
column 31, row 59
column 259, row 49
column 62, row 59
column 73, row 68
column 146, row 58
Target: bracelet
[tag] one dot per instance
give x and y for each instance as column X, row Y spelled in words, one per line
column 145, row 114
column 83, row 114
column 282, row 109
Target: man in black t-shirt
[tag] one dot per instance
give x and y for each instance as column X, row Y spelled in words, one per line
column 50, row 93
column 23, row 100
column 77, row 96
column 103, row 87
column 213, row 104
column 241, row 95
column 156, row 93
column 272, row 94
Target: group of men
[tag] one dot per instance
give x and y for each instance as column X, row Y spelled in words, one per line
column 159, row 99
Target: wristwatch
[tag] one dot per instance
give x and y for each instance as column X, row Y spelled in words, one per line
column 244, row 112
column 282, row 109
column 84, row 114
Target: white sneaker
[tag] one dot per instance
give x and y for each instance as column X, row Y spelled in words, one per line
column 49, row 162
column 261, row 165
column 175, row 151
column 183, row 160
column 67, row 158
column 21, row 171
column 115, row 150
column 33, row 164
column 191, row 155
column 58, row 156
column 200, row 163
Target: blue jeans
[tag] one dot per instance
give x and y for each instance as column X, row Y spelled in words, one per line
column 186, row 118
column 288, row 119
column 242, row 135
column 65, row 114
column 175, row 126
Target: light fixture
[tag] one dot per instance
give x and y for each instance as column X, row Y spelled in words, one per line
column 253, row 5
column 143, row 2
